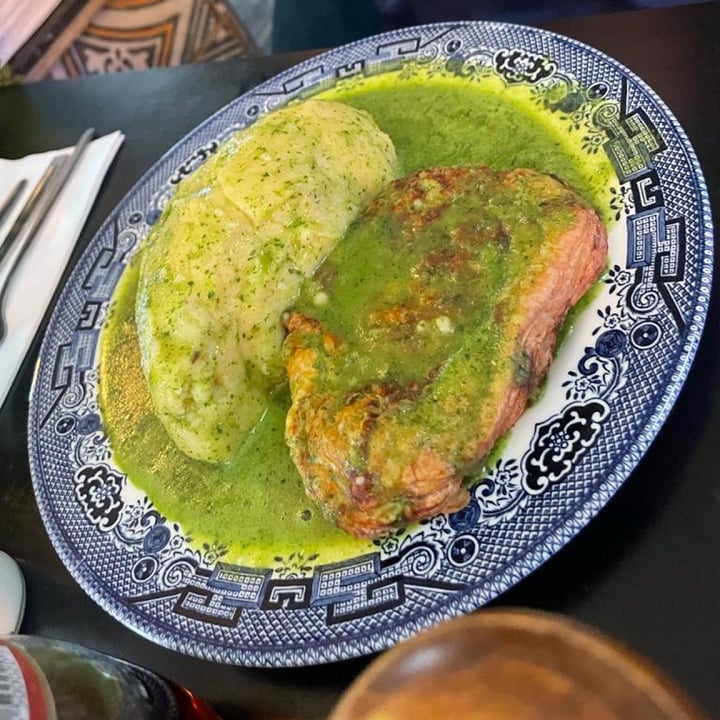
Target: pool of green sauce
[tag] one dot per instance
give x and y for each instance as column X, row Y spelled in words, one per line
column 444, row 119
column 254, row 507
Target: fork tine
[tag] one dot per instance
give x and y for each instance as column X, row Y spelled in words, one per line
column 11, row 199
column 29, row 207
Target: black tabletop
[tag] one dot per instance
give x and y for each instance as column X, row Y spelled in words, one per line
column 646, row 570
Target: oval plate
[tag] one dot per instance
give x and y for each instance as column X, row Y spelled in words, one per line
column 607, row 394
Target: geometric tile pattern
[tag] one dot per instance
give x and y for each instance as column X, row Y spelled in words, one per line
column 139, row 34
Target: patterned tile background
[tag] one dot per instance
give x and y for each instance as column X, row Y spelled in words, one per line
column 139, row 34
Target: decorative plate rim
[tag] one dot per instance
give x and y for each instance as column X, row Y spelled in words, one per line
column 530, row 557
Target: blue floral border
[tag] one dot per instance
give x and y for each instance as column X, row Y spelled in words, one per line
column 188, row 598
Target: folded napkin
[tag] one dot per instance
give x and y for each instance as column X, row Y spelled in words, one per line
column 44, row 261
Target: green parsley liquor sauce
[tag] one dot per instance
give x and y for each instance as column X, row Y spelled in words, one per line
column 254, row 508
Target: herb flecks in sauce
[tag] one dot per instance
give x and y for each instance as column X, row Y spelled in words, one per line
column 254, row 505
column 443, row 119
column 227, row 256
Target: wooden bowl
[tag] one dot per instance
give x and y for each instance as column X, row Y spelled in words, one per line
column 512, row 665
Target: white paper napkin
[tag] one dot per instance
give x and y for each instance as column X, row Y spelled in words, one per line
column 44, row 261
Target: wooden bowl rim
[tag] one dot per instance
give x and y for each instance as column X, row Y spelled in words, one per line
column 640, row 672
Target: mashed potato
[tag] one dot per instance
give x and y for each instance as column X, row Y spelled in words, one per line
column 228, row 255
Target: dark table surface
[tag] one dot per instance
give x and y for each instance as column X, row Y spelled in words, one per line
column 646, row 570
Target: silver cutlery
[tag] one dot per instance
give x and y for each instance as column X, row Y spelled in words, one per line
column 26, row 213
column 11, row 199
column 34, row 213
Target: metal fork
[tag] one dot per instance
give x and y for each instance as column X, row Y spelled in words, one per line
column 11, row 199
column 33, row 214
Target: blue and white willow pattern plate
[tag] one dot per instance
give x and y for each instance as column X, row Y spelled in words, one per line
column 607, row 395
